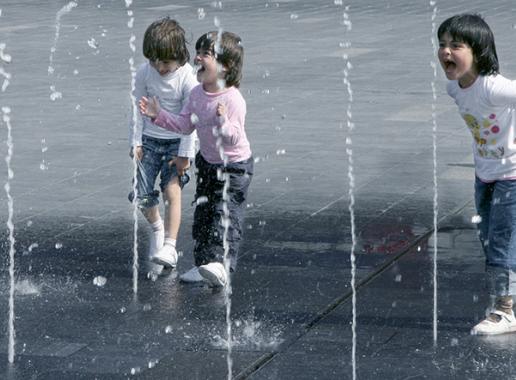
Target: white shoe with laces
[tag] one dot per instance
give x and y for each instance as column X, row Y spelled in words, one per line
column 505, row 323
column 191, row 276
column 214, row 274
column 166, row 256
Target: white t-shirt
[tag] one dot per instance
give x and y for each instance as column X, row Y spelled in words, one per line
column 488, row 107
column 172, row 91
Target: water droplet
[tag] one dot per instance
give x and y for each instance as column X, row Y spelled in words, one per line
column 201, row 200
column 194, row 118
column 100, row 281
column 147, row 307
column 476, row 219
column 92, row 43
column 135, row 370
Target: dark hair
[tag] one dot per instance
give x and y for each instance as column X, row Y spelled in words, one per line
column 228, row 51
column 474, row 31
column 165, row 40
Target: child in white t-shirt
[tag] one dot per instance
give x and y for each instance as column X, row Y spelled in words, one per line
column 487, row 102
column 169, row 77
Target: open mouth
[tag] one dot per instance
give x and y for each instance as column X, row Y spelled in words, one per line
column 449, row 65
column 198, row 69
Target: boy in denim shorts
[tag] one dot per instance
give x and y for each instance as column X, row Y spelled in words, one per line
column 168, row 76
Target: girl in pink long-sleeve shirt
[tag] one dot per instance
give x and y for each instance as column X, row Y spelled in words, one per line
column 216, row 110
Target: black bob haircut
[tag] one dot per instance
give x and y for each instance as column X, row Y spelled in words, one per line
column 473, row 30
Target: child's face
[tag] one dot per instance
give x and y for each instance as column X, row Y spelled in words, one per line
column 209, row 70
column 164, row 67
column 457, row 60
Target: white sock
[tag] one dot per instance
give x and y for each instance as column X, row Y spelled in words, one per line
column 169, row 248
column 157, row 225
column 157, row 237
column 171, row 242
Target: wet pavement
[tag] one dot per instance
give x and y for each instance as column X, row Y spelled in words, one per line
column 291, row 305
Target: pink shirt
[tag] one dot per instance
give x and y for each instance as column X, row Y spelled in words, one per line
column 219, row 137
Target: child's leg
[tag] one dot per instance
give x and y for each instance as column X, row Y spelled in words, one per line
column 172, row 198
column 209, row 231
column 204, row 229
column 240, row 175
column 501, row 243
column 171, row 188
column 496, row 203
column 167, row 255
column 147, row 198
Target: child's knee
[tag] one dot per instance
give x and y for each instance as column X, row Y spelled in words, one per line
column 146, row 201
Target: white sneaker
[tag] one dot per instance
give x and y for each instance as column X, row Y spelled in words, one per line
column 166, row 256
column 192, row 275
column 506, row 324
column 214, row 273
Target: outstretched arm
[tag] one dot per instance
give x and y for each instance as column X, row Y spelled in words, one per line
column 177, row 123
column 149, row 107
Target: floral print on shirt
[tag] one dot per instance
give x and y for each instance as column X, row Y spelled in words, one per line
column 485, row 133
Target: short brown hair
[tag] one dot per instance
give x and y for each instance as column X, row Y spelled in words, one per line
column 230, row 53
column 165, row 40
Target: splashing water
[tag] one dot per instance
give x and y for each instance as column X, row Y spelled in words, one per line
column 7, row 59
column 10, row 225
column 225, row 218
column 134, row 120
column 25, row 287
column 351, row 193
column 434, row 152
column 54, row 94
column 10, row 204
column 251, row 334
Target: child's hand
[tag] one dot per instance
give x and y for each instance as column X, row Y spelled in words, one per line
column 221, row 109
column 136, row 151
column 149, row 107
column 182, row 164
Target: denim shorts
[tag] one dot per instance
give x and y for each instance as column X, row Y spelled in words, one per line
column 156, row 156
column 496, row 206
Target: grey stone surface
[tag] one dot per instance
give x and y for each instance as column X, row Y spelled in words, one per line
column 290, row 307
